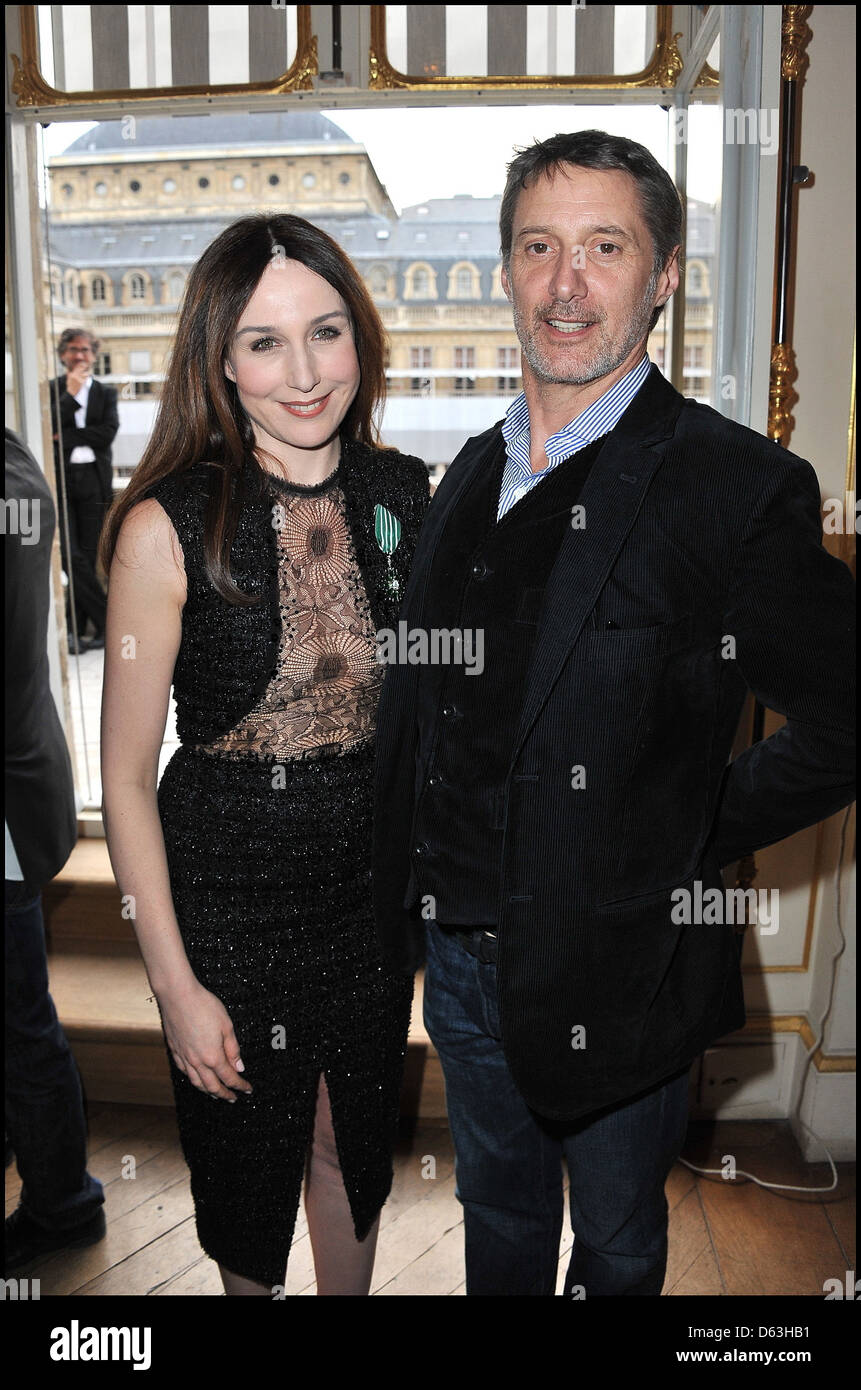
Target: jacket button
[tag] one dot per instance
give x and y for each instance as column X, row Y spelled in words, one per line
column 479, row 570
column 449, row 711
column 421, row 848
column 434, row 780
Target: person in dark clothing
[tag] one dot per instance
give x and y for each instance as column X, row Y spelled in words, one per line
column 85, row 420
column 249, row 861
column 61, row 1203
column 635, row 564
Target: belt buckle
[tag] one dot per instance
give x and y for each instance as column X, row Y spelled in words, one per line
column 487, row 948
column 477, row 943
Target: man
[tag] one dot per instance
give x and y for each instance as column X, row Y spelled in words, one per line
column 85, row 420
column 635, row 563
column 61, row 1204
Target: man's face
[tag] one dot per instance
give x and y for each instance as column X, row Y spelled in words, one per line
column 580, row 276
column 78, row 356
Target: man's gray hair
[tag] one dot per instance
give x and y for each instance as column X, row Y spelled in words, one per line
column 69, row 335
column 595, row 149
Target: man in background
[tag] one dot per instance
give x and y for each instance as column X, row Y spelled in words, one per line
column 85, row 420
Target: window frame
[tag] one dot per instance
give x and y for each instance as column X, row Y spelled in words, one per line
column 747, row 220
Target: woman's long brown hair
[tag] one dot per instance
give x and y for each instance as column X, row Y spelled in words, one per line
column 200, row 418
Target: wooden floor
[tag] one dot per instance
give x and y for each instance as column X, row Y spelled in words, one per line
column 724, row 1238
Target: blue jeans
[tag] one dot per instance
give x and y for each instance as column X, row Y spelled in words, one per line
column 44, row 1106
column 508, row 1159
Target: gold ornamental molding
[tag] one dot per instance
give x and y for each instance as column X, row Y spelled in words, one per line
column 795, row 35
column 762, row 1026
column 794, row 61
column 781, row 395
column 31, row 90
column 707, row 77
column 662, row 70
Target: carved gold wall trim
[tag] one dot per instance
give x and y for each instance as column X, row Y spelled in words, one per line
column 762, row 1026
column 31, row 90
column 795, row 35
column 707, row 77
column 662, row 70
column 781, row 395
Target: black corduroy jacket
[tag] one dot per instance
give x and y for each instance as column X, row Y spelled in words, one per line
column 699, row 574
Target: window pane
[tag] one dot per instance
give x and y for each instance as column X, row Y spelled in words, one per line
column 454, row 362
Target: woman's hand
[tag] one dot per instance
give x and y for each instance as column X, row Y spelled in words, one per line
column 201, row 1039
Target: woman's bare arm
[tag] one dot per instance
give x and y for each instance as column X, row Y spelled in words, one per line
column 142, row 637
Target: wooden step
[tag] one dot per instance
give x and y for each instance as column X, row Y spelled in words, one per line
column 102, row 996
column 83, row 906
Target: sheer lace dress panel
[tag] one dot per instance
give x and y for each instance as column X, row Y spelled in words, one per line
column 323, row 696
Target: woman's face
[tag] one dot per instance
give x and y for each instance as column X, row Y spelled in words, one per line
column 293, row 359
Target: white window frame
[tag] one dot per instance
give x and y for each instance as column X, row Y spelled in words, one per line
column 743, row 305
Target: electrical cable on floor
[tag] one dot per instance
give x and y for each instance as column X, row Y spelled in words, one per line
column 786, row 1187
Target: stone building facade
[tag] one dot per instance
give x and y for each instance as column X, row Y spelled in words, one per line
column 134, row 203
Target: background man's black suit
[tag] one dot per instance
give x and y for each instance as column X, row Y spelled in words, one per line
column 99, row 431
column 88, row 491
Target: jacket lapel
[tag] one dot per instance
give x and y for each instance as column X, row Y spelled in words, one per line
column 454, row 483
column 67, row 404
column 611, row 499
column 396, row 714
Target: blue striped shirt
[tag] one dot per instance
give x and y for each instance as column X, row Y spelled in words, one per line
column 597, row 419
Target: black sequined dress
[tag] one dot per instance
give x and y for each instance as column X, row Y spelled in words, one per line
column 267, row 829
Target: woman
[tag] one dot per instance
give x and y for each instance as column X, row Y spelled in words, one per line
column 262, row 541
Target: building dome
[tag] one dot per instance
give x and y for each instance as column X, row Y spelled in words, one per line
column 242, row 130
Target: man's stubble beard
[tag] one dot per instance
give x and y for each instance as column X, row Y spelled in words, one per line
column 607, row 357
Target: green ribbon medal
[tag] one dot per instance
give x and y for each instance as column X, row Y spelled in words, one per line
column 387, row 530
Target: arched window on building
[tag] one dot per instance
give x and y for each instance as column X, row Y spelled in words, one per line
column 464, row 281
column 496, row 290
column 136, row 286
column 97, row 289
column 696, row 280
column 175, row 286
column 420, row 282
column 379, row 281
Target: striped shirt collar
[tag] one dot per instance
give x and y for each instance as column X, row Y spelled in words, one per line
column 597, row 419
